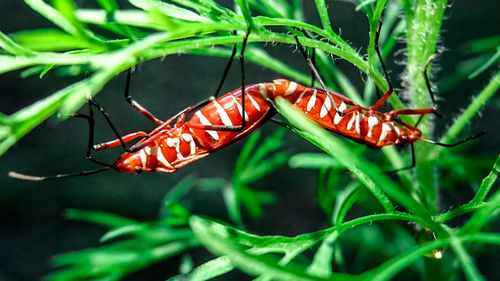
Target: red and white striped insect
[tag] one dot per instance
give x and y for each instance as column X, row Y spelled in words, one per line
column 234, row 115
column 339, row 114
column 167, row 149
column 215, row 124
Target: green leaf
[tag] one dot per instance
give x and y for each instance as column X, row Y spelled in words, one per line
column 12, row 47
column 312, row 161
column 102, row 218
column 177, row 193
column 52, row 15
column 220, row 240
column 207, row 271
column 390, row 268
column 370, row 175
column 169, row 10
column 49, row 39
column 491, row 61
column 109, row 5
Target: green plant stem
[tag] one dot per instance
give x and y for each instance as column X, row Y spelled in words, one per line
column 323, row 16
column 423, row 24
column 465, row 259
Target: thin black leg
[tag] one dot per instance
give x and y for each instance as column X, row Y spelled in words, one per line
column 90, row 142
column 315, row 73
column 413, row 162
column 242, row 65
column 108, row 120
column 226, row 70
column 377, row 50
column 313, row 54
column 136, row 105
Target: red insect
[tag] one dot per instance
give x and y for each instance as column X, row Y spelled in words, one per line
column 214, row 124
column 166, row 149
column 230, row 117
column 364, row 125
column 339, row 114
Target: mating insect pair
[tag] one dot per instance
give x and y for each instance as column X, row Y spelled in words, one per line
column 217, row 122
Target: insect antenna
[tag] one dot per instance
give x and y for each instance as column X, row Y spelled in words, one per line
column 20, row 176
column 457, row 143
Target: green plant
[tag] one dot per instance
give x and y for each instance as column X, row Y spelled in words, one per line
column 154, row 29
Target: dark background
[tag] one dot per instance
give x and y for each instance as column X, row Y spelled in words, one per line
column 32, row 228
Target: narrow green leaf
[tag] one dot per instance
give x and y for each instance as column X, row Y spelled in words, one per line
column 102, row 218
column 186, row 264
column 313, row 161
column 246, row 14
column 49, row 39
column 483, row 45
column 263, row 168
column 169, row 9
column 322, row 10
column 269, row 145
column 219, row 240
column 322, row 262
column 487, row 183
column 470, row 112
column 45, row 70
column 369, row 174
column 179, row 191
column 478, row 201
column 12, row 47
column 466, row 260
column 109, row 5
column 52, row 15
column 231, row 199
column 390, row 268
column 344, row 201
column 490, row 62
column 482, row 216
column 246, row 151
column 207, row 271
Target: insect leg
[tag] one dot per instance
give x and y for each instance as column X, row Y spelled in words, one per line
column 413, row 161
column 113, row 143
column 108, row 120
column 135, row 104
column 90, row 119
column 427, row 83
column 313, row 53
column 243, row 120
column 316, row 74
column 457, row 143
column 389, row 91
column 407, row 111
column 226, row 70
column 90, row 142
column 20, row 176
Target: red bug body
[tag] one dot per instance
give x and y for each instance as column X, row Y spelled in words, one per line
column 363, row 125
column 167, row 149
